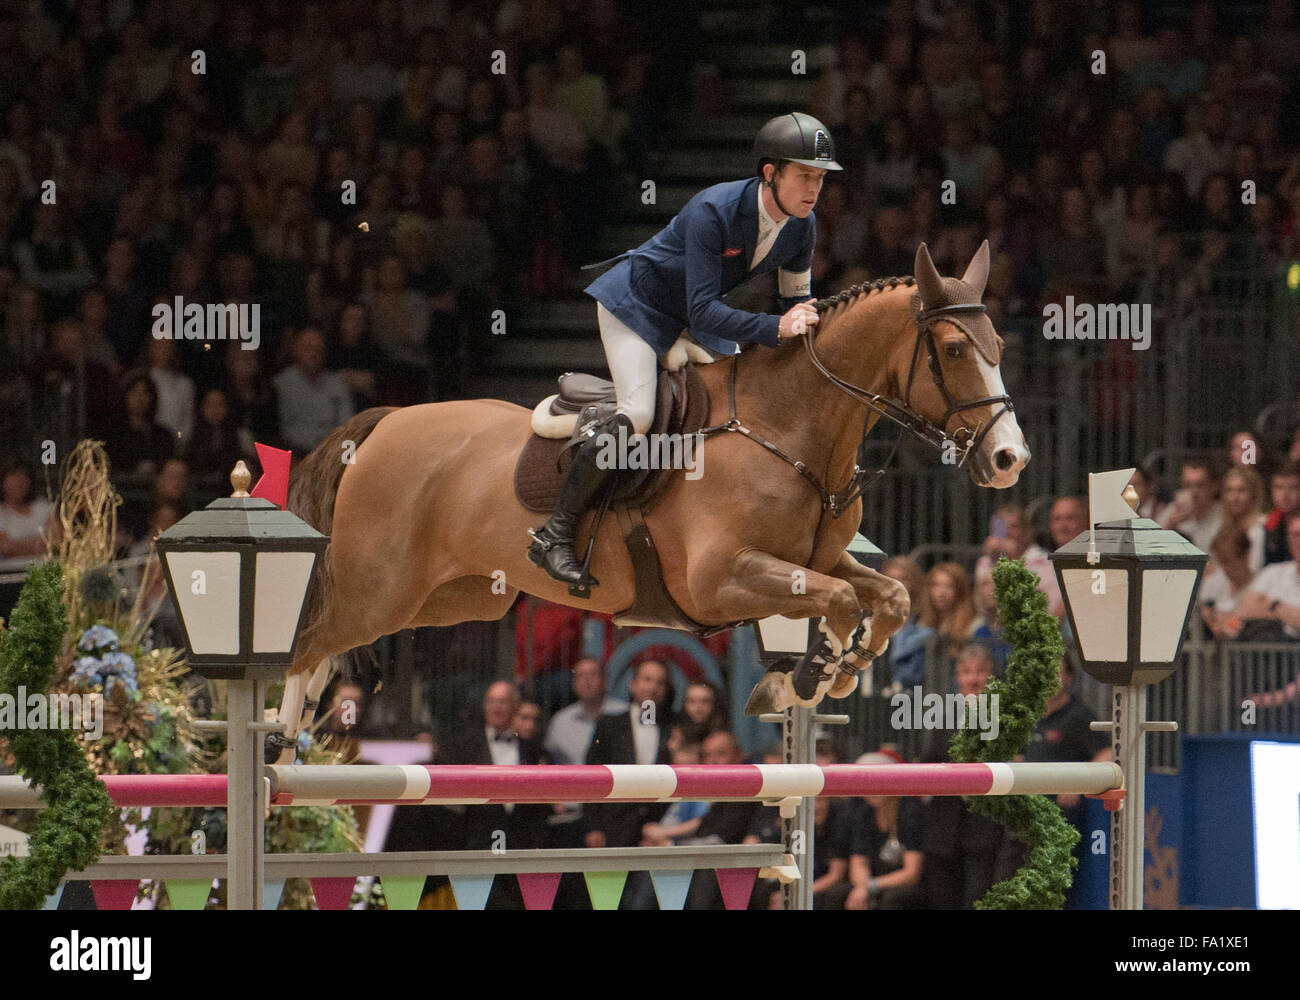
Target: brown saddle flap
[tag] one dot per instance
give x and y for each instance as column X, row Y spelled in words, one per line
column 681, row 407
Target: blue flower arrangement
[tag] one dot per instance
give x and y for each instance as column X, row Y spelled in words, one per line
column 104, row 662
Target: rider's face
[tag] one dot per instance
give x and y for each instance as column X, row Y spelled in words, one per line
column 797, row 187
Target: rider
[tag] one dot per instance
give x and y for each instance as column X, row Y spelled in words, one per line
column 724, row 235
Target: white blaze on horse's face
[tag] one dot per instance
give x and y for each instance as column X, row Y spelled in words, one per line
column 1004, row 451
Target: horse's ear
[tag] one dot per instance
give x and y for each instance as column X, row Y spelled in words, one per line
column 977, row 272
column 928, row 282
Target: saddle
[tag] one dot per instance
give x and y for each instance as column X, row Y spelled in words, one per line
column 681, row 408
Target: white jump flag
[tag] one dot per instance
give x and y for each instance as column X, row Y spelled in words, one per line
column 1106, row 503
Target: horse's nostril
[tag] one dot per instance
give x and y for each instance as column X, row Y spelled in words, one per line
column 1004, row 459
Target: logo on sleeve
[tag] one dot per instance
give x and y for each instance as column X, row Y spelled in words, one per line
column 732, row 251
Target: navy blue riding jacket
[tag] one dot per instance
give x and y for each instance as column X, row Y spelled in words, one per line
column 675, row 281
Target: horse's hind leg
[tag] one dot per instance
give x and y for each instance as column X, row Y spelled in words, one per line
column 298, row 706
column 464, row 599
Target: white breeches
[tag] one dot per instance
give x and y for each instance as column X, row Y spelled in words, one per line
column 634, row 367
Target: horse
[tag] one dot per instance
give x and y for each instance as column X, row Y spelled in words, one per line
column 425, row 528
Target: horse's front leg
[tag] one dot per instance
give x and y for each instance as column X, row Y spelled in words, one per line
column 890, row 606
column 758, row 584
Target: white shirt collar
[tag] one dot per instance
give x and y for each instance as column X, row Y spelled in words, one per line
column 765, row 221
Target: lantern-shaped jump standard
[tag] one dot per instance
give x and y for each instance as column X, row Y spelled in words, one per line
column 1129, row 597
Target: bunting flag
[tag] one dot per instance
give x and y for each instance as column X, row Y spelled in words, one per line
column 274, row 484
column 471, row 891
column 114, row 893
column 52, row 900
column 188, row 893
column 333, row 893
column 539, row 889
column 737, row 885
column 272, row 890
column 402, row 891
column 671, row 888
column 605, row 889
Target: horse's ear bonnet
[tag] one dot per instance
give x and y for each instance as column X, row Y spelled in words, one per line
column 934, row 291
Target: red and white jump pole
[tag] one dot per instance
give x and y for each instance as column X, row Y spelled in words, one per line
column 368, row 784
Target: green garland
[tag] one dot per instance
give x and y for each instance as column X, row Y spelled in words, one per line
column 66, row 836
column 1032, row 677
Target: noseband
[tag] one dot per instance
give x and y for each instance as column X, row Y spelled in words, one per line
column 966, row 439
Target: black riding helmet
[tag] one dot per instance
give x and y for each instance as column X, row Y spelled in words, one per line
column 796, row 137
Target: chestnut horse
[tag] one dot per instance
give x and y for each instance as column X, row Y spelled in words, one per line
column 426, row 530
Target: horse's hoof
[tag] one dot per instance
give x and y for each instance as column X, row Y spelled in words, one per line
column 811, row 677
column 769, row 695
column 843, row 685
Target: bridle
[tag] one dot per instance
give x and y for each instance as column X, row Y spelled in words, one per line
column 965, row 440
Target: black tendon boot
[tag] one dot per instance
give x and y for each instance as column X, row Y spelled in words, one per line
column 552, row 546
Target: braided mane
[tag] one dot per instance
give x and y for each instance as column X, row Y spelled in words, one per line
column 866, row 288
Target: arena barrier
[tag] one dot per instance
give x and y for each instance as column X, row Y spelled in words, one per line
column 432, row 784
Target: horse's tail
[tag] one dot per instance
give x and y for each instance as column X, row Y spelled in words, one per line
column 313, row 485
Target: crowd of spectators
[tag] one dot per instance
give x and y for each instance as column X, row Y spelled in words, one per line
column 1115, row 182
column 231, row 153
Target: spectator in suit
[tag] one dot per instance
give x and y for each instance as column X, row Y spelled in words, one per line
column 636, row 736
column 568, row 737
column 514, row 827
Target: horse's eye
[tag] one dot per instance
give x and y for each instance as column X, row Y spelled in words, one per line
column 954, row 351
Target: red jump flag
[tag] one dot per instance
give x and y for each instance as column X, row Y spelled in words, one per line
column 274, row 484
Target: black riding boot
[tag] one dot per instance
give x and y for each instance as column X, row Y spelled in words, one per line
column 552, row 546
